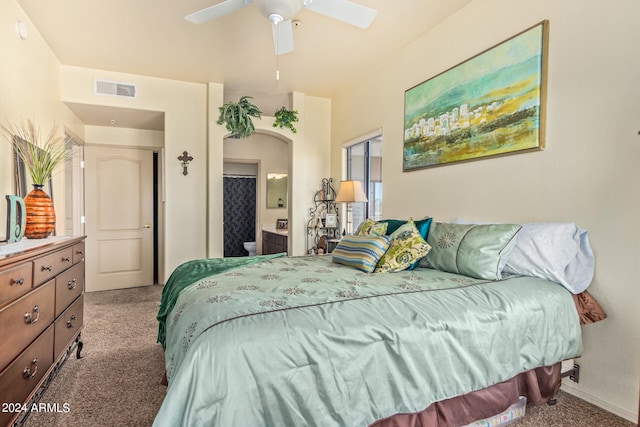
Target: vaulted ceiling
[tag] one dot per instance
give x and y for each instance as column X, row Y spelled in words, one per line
column 152, row 38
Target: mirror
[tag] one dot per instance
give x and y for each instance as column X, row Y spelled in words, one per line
column 276, row 190
column 20, row 175
column 22, row 180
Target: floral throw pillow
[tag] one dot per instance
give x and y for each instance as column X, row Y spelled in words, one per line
column 371, row 228
column 406, row 247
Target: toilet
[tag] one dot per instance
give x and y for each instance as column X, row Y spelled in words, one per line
column 250, row 247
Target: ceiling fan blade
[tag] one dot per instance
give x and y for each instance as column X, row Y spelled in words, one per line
column 216, row 10
column 283, row 37
column 343, row 10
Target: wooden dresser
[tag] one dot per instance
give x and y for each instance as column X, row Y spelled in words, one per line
column 41, row 306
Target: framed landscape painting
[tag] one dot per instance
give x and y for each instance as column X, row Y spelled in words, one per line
column 490, row 105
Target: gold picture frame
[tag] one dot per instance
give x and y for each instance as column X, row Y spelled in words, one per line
column 492, row 104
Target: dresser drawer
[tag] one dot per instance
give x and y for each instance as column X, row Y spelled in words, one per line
column 23, row 320
column 69, row 285
column 49, row 266
column 15, row 281
column 68, row 325
column 24, row 374
column 78, row 252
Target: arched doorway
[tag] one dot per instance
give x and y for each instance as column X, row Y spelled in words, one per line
column 267, row 153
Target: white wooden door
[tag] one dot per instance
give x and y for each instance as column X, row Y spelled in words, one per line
column 119, row 215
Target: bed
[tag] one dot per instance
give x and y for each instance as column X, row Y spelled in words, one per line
column 325, row 341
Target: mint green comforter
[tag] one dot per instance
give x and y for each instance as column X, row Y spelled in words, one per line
column 190, row 272
column 305, row 342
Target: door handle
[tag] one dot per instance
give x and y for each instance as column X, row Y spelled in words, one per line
column 146, row 226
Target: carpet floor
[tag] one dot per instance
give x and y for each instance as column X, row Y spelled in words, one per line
column 117, row 380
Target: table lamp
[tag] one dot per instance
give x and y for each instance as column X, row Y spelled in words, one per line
column 350, row 192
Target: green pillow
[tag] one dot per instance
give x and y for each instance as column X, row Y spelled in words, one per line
column 479, row 251
column 361, row 252
column 371, row 228
column 406, row 247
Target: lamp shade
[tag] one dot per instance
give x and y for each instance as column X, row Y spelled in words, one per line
column 350, row 192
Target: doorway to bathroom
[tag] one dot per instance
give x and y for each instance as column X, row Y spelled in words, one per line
column 239, row 212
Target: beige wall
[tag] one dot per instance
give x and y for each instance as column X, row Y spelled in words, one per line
column 588, row 173
column 124, row 137
column 29, row 89
column 310, row 163
column 184, row 107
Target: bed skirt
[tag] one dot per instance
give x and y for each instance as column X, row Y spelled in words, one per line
column 537, row 385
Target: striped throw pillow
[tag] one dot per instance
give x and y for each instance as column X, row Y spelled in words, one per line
column 361, row 252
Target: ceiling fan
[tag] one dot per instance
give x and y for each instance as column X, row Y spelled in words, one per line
column 280, row 12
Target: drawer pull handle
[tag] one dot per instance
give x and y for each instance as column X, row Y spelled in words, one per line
column 66, row 259
column 46, row 268
column 27, row 374
column 71, row 284
column 79, row 253
column 19, row 281
column 28, row 317
column 71, row 320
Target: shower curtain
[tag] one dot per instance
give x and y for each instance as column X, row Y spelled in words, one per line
column 239, row 214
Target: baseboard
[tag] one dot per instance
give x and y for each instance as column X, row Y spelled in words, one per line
column 566, row 387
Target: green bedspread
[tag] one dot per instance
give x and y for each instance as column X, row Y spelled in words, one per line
column 302, row 341
column 192, row 271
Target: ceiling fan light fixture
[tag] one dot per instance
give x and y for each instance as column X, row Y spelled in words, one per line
column 281, row 12
column 276, row 18
column 286, row 9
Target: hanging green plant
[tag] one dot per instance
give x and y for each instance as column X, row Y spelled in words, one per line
column 236, row 116
column 285, row 119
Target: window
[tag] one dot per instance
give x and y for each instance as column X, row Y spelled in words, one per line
column 364, row 164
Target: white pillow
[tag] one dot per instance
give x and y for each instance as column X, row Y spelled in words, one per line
column 556, row 251
column 559, row 252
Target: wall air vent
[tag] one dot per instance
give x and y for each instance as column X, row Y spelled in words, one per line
column 106, row 87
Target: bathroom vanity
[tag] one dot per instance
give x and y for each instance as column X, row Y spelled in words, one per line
column 274, row 240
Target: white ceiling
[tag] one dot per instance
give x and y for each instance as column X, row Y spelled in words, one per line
column 152, row 38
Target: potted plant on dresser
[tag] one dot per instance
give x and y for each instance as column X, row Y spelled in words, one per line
column 40, row 157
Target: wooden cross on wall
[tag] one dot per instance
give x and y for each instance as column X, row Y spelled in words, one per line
column 185, row 159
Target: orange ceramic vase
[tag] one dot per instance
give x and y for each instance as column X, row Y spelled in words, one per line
column 41, row 217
